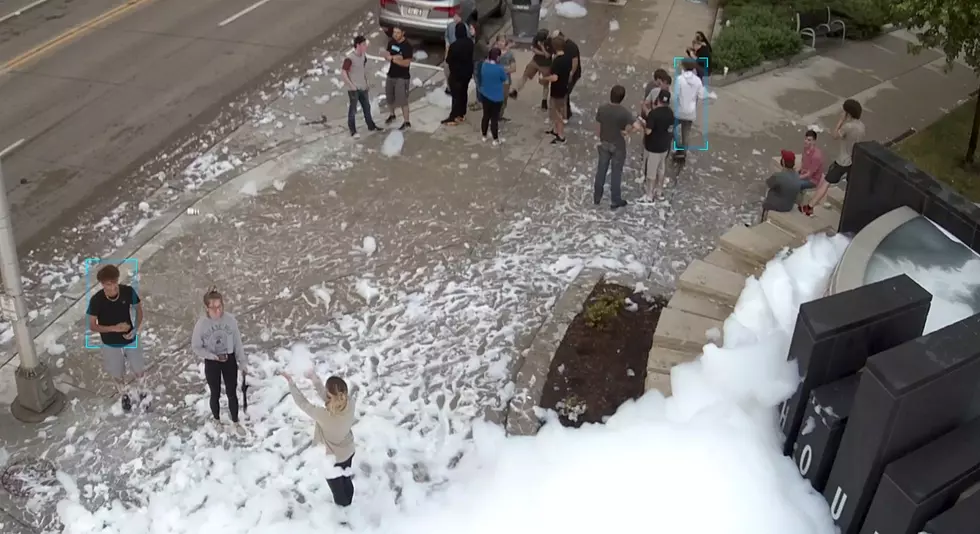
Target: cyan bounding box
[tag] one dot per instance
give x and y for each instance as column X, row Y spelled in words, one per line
column 703, row 61
column 91, row 269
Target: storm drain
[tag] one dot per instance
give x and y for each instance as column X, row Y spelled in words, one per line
column 23, row 475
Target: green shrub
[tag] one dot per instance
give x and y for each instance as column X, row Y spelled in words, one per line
column 864, row 18
column 736, row 48
column 755, row 34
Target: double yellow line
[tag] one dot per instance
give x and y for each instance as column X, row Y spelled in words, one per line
column 71, row 35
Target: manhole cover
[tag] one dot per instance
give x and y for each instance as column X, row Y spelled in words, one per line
column 23, row 475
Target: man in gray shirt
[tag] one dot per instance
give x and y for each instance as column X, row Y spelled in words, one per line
column 848, row 132
column 614, row 122
column 784, row 186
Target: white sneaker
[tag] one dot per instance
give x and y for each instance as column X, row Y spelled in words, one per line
column 496, row 142
column 356, row 136
column 484, row 139
column 645, row 199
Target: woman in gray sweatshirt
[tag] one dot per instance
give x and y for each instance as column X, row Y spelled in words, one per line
column 332, row 428
column 218, row 341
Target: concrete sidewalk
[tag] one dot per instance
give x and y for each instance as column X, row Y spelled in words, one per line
column 475, row 243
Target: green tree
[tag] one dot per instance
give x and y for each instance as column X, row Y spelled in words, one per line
column 952, row 26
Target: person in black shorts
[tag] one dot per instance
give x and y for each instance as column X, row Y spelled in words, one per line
column 540, row 65
column 561, row 73
column 399, row 82
column 572, row 51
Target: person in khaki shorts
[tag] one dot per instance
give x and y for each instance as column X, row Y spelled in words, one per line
column 560, row 77
column 110, row 315
column 540, row 66
column 658, row 134
column 399, row 82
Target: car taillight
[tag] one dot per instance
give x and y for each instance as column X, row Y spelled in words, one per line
column 450, row 11
column 388, row 2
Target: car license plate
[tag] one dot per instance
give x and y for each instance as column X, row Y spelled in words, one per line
column 415, row 12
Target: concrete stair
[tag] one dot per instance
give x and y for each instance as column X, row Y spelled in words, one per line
column 708, row 289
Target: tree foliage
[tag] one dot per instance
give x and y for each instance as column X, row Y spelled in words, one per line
column 952, row 26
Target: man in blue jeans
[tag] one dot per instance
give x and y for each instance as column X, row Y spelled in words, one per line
column 354, row 74
column 614, row 123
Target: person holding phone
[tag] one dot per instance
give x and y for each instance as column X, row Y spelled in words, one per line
column 218, row 341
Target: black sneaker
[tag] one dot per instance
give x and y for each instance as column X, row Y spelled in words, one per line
column 127, row 403
column 390, row 119
column 617, row 205
column 374, row 129
column 405, row 125
column 513, row 94
column 596, row 200
column 558, row 140
column 544, row 104
column 503, row 119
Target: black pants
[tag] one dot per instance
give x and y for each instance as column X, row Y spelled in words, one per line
column 214, row 373
column 342, row 487
column 836, row 173
column 491, row 118
column 459, row 90
column 568, row 97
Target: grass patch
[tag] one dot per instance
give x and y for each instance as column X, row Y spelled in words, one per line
column 940, row 149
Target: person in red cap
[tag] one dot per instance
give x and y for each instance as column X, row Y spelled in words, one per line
column 784, row 186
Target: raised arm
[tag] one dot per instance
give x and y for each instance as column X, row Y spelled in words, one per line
column 316, row 412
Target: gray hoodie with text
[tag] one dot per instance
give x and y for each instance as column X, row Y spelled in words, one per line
column 212, row 337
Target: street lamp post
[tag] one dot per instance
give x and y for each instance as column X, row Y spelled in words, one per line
column 37, row 398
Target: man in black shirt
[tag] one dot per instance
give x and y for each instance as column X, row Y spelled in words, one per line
column 540, row 65
column 561, row 72
column 109, row 315
column 572, row 51
column 658, row 136
column 399, row 82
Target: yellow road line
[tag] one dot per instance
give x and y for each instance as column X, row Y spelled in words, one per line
column 71, row 35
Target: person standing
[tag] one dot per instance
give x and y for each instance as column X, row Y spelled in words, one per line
column 614, row 122
column 460, row 61
column 656, row 144
column 539, row 66
column 849, row 131
column 218, row 341
column 572, row 51
column 492, row 80
column 661, row 82
column 399, row 81
column 354, row 74
column 509, row 64
column 700, row 51
column 110, row 314
column 332, row 428
column 688, row 93
column 465, row 8
column 561, row 75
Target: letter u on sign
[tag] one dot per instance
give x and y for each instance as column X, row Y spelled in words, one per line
column 837, row 507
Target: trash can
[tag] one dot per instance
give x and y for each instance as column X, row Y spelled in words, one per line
column 525, row 16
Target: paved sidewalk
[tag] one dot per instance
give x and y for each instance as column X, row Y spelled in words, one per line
column 474, row 246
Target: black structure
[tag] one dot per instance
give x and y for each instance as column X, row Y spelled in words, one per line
column 835, row 335
column 962, row 518
column 925, row 482
column 880, row 181
column 908, row 396
column 823, row 427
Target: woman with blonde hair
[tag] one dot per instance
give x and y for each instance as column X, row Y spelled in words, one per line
column 332, row 428
column 218, row 341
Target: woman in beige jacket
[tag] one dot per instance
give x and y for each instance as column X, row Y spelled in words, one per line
column 332, row 428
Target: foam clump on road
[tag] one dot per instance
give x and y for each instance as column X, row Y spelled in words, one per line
column 392, row 145
column 571, row 10
column 704, row 460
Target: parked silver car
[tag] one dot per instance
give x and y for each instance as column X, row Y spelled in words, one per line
column 428, row 19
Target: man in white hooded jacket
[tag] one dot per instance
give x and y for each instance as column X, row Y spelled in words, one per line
column 688, row 93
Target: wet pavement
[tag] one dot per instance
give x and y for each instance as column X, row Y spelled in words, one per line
column 472, row 246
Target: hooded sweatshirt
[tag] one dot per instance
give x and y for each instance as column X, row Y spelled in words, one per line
column 333, row 431
column 460, row 56
column 214, row 337
column 688, row 91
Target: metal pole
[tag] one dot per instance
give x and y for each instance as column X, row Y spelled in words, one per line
column 37, row 397
column 13, row 306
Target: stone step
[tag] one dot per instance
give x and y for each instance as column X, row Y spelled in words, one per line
column 662, row 359
column 713, row 281
column 756, row 244
column 659, row 382
column 720, row 258
column 700, row 304
column 824, row 220
column 683, row 331
column 835, row 196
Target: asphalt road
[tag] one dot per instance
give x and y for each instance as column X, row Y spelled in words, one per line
column 97, row 102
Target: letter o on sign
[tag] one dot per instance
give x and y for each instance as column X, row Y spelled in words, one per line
column 806, row 457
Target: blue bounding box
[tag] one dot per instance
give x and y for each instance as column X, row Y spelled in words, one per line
column 92, row 266
column 702, row 113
